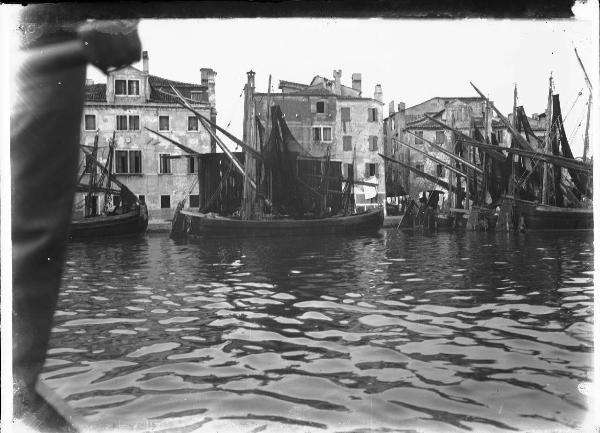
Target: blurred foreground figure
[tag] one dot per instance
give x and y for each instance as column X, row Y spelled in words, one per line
column 44, row 151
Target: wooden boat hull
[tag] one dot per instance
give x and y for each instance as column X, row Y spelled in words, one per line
column 545, row 217
column 197, row 224
column 127, row 224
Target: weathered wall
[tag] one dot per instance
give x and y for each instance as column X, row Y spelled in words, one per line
column 150, row 183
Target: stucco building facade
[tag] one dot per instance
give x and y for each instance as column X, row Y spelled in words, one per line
column 328, row 116
column 158, row 172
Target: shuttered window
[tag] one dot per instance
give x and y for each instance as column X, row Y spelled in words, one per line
column 163, row 123
column 121, row 159
column 373, row 143
column 419, row 138
column 134, row 123
column 440, row 137
column 165, row 163
column 347, row 141
column 135, row 161
column 345, row 112
column 90, row 122
column 372, row 115
column 121, row 123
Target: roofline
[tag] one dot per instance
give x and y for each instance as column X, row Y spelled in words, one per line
column 311, row 94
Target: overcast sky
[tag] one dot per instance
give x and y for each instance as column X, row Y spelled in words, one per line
column 413, row 60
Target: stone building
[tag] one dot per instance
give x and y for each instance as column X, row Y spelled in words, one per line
column 460, row 112
column 160, row 173
column 326, row 115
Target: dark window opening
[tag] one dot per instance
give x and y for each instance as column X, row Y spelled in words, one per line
column 133, row 87
column 121, row 123
column 370, row 169
column 194, row 200
column 163, row 123
column 420, row 166
column 347, row 140
column 135, row 161
column 192, row 123
column 440, row 170
column 373, row 143
column 142, row 198
column 372, row 114
column 165, row 201
column 165, row 163
column 134, row 123
column 419, row 138
column 316, row 134
column 121, row 161
column 191, row 164
column 90, row 122
column 320, row 107
column 120, row 87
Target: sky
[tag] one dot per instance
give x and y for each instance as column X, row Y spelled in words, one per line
column 413, row 60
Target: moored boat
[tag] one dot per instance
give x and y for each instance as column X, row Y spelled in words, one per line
column 197, row 224
column 129, row 223
column 536, row 216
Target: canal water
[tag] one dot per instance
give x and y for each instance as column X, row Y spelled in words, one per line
column 394, row 332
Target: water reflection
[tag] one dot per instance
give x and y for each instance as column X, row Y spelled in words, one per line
column 452, row 332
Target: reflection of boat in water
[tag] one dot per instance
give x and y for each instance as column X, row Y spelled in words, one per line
column 274, row 188
column 128, row 215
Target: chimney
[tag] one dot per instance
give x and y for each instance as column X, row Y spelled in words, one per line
column 391, row 109
column 378, row 95
column 337, row 76
column 89, row 82
column 145, row 61
column 207, row 78
column 357, row 82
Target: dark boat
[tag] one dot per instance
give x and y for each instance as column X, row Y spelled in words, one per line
column 129, row 223
column 128, row 218
column 536, row 216
column 275, row 188
column 198, row 224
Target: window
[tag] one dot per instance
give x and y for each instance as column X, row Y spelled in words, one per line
column 142, row 198
column 121, row 123
column 196, row 96
column 440, row 137
column 128, row 161
column 420, row 166
column 345, row 111
column 316, row 134
column 165, row 201
column 321, row 107
column 194, row 200
column 370, row 169
column 321, row 133
column 373, row 143
column 135, row 161
column 191, row 164
column 121, row 165
column 163, row 123
column 192, row 123
column 90, row 122
column 133, row 87
column 373, row 115
column 134, row 123
column 165, row 163
column 440, row 170
column 127, row 87
column 419, row 137
column 500, row 135
column 347, row 140
column 348, row 170
column 120, row 87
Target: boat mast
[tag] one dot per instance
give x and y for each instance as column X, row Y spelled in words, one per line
column 90, row 209
column 586, row 140
column 547, row 142
column 513, row 164
column 249, row 208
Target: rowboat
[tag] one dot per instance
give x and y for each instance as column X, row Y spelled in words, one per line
column 197, row 224
column 130, row 223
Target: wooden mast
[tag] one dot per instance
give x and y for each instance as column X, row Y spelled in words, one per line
column 90, row 209
column 547, row 142
column 249, row 205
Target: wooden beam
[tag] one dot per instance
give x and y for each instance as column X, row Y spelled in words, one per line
column 446, row 152
column 433, row 158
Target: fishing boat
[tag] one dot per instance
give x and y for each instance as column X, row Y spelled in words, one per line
column 273, row 188
column 550, row 189
column 123, row 214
